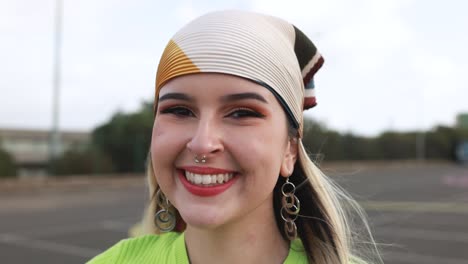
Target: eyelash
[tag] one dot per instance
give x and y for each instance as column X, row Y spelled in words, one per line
column 178, row 111
column 237, row 113
column 246, row 113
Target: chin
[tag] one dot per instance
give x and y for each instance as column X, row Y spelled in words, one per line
column 198, row 219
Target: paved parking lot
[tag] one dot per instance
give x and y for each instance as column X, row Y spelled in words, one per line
column 419, row 214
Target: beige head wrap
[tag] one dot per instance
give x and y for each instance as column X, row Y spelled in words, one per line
column 261, row 48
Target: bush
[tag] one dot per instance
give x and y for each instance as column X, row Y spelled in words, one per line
column 7, row 165
column 87, row 161
column 126, row 139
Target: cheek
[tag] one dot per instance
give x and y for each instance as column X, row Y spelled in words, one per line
column 257, row 150
column 166, row 143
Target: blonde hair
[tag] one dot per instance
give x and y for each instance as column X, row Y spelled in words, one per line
column 328, row 213
column 328, row 216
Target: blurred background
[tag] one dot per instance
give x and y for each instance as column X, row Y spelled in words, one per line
column 77, row 78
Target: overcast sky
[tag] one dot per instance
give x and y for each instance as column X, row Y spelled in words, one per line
column 392, row 64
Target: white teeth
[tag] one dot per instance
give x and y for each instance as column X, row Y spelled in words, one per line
column 197, row 179
column 208, row 179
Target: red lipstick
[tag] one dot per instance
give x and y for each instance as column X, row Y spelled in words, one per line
column 205, row 191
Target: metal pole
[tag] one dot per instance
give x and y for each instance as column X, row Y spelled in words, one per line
column 421, row 135
column 55, row 141
column 421, row 145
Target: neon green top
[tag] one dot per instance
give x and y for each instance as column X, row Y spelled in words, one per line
column 168, row 248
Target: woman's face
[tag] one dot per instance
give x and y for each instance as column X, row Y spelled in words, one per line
column 241, row 129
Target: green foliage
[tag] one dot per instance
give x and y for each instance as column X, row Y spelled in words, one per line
column 440, row 143
column 393, row 145
column 126, row 139
column 332, row 145
column 462, row 121
column 84, row 161
column 314, row 136
column 7, row 165
column 358, row 148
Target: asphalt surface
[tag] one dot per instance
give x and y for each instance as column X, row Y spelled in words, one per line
column 419, row 214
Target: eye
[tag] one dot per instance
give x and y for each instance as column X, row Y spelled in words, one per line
column 244, row 113
column 178, row 111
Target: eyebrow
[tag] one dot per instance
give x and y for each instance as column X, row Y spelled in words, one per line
column 243, row 96
column 225, row 98
column 175, row 96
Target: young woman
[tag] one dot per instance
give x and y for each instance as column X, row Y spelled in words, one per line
column 229, row 178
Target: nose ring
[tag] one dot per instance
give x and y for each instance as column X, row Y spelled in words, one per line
column 200, row 160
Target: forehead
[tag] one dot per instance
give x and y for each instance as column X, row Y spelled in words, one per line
column 213, row 83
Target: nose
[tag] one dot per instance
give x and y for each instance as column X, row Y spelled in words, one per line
column 206, row 140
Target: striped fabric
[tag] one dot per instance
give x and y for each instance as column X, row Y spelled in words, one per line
column 261, row 48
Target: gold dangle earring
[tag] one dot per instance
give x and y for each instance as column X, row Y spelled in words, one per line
column 290, row 209
column 164, row 219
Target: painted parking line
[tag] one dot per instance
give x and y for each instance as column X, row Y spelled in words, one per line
column 416, row 207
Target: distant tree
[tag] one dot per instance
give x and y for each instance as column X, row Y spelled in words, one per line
column 358, row 148
column 393, row 145
column 7, row 165
column 313, row 135
column 314, row 138
column 442, row 141
column 82, row 161
column 322, row 142
column 126, row 139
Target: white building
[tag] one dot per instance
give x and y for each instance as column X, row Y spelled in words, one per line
column 30, row 148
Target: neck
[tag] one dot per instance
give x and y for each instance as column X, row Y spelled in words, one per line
column 253, row 239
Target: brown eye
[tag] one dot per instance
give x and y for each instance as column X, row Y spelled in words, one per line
column 178, row 111
column 245, row 113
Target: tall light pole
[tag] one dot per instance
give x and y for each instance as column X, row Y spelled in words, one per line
column 421, row 145
column 421, row 135
column 55, row 141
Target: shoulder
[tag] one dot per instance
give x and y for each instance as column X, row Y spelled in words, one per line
column 144, row 249
column 297, row 254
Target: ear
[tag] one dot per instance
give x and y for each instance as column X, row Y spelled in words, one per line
column 290, row 157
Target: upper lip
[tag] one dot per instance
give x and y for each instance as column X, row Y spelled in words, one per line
column 205, row 170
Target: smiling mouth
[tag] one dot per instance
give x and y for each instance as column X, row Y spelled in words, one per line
column 208, row 180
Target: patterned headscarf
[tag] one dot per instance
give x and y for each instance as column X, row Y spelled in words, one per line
column 261, row 48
